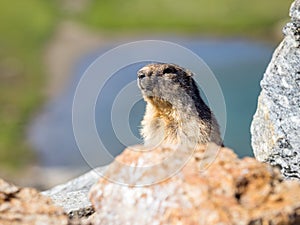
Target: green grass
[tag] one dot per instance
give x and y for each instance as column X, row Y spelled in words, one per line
column 194, row 16
column 24, row 28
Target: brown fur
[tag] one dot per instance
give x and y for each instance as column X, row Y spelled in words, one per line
column 175, row 112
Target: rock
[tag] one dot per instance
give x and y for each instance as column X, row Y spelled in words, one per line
column 73, row 195
column 276, row 124
column 228, row 191
column 25, row 206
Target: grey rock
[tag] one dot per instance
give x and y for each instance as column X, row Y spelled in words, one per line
column 73, row 195
column 275, row 127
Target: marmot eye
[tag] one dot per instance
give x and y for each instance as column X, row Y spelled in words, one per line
column 141, row 76
column 169, row 70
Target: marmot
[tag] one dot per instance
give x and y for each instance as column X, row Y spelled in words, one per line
column 175, row 112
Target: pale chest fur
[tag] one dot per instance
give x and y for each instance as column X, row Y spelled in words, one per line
column 173, row 128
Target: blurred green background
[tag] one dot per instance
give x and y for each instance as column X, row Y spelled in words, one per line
column 27, row 26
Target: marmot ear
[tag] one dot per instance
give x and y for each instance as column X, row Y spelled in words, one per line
column 189, row 73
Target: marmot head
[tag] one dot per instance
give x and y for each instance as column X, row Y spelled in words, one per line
column 169, row 85
column 156, row 79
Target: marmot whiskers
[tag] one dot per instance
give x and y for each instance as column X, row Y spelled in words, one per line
column 175, row 111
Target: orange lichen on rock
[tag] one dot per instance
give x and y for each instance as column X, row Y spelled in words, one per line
column 27, row 207
column 229, row 191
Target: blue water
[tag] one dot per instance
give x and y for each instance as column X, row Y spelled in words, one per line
column 237, row 64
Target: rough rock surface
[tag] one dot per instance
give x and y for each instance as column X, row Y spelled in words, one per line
column 229, row 191
column 276, row 125
column 73, row 195
column 25, row 206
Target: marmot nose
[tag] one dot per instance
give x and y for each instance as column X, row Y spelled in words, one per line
column 144, row 72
